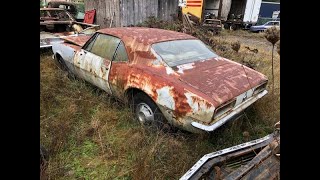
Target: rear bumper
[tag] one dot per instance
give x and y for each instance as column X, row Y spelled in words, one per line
column 236, row 110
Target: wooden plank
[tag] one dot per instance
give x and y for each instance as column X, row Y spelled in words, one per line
column 144, row 10
column 129, row 12
column 167, row 12
column 140, row 4
column 135, row 12
column 117, row 14
column 124, row 12
column 152, row 4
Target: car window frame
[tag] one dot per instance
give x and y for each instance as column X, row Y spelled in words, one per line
column 268, row 24
column 93, row 39
column 114, row 55
column 276, row 23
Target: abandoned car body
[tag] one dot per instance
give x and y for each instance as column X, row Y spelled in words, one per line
column 56, row 23
column 169, row 76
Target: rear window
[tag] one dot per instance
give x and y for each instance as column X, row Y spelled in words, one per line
column 180, row 52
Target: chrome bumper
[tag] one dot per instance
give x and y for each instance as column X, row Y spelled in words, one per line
column 209, row 156
column 236, row 110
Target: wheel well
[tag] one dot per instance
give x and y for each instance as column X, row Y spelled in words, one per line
column 131, row 92
column 57, row 55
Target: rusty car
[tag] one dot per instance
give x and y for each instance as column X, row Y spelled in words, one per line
column 56, row 23
column 170, row 78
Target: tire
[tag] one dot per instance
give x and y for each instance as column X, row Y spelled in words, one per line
column 234, row 27
column 147, row 112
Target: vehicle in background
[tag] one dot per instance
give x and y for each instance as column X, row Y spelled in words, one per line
column 56, row 23
column 168, row 77
column 75, row 9
column 234, row 14
column 264, row 27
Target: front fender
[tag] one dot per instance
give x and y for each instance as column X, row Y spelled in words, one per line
column 66, row 51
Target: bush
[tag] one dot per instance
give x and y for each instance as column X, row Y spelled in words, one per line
column 235, row 46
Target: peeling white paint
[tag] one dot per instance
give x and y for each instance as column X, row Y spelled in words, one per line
column 183, row 67
column 169, row 70
column 158, row 61
column 199, row 108
column 164, row 97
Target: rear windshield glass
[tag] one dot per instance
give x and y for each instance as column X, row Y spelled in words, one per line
column 179, row 52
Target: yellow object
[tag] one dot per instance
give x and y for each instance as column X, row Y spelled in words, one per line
column 193, row 7
column 77, row 27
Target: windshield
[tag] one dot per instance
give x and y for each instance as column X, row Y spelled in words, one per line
column 179, row 52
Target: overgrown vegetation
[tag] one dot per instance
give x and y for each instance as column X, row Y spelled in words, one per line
column 235, row 46
column 89, row 135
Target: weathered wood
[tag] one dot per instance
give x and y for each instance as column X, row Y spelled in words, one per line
column 130, row 12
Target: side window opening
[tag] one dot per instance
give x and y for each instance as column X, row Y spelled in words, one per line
column 89, row 46
column 121, row 53
column 103, row 45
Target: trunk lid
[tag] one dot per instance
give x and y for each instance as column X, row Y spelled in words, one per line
column 219, row 78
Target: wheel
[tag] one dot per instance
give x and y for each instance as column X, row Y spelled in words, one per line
column 147, row 112
column 233, row 27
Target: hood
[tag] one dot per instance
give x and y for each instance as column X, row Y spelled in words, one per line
column 77, row 40
column 219, row 78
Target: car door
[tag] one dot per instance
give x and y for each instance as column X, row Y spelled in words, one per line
column 93, row 61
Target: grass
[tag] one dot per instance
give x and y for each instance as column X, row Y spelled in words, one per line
column 89, row 135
